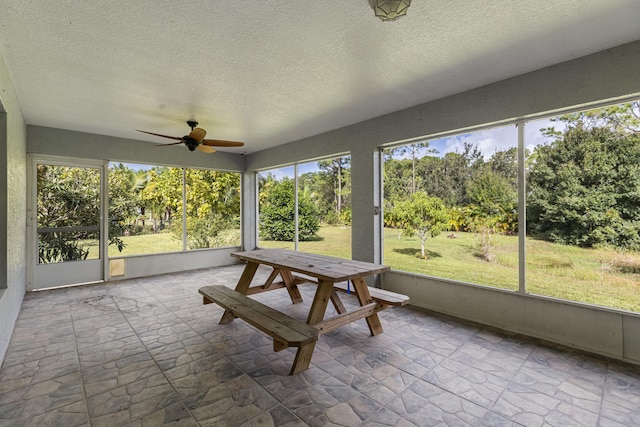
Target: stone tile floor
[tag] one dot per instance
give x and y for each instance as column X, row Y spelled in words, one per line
column 146, row 352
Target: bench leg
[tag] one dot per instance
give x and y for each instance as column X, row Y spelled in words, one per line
column 227, row 317
column 303, row 358
column 364, row 298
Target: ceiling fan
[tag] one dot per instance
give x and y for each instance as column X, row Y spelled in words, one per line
column 196, row 141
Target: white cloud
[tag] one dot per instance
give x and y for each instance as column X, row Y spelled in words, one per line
column 532, row 134
column 279, row 173
column 488, row 141
column 491, row 140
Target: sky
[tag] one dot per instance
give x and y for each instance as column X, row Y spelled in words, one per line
column 488, row 142
column 495, row 139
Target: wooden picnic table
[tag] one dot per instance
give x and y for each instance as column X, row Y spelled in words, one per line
column 331, row 275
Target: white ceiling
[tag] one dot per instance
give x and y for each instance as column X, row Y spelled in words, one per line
column 268, row 72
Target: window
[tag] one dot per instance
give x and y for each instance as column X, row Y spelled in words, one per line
column 582, row 198
column 213, row 209
column 144, row 204
column 146, row 209
column 323, row 199
column 450, row 207
column 583, row 207
column 276, row 208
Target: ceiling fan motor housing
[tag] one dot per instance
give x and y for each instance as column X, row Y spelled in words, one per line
column 191, row 143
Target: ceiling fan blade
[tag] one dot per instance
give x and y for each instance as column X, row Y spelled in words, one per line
column 177, row 138
column 167, row 145
column 222, row 143
column 198, row 134
column 206, row 149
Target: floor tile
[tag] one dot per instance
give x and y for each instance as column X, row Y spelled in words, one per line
column 147, row 352
column 532, row 408
column 426, row 404
column 118, row 373
column 109, row 351
column 473, row 384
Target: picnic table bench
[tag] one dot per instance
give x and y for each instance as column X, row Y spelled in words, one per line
column 330, row 274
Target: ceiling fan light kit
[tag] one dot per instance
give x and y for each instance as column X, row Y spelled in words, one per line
column 390, row 10
column 195, row 140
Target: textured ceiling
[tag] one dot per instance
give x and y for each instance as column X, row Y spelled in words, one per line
column 272, row 71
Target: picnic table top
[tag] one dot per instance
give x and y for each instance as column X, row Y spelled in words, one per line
column 322, row 267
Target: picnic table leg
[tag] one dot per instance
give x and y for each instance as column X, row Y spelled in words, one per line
column 337, row 302
column 316, row 314
column 320, row 302
column 290, row 283
column 242, row 286
column 271, row 278
column 364, row 298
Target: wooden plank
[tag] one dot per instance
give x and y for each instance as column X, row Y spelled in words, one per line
column 247, row 276
column 380, row 295
column 252, row 290
column 278, row 325
column 320, row 266
column 292, row 288
column 320, row 301
column 271, row 278
column 348, row 317
column 303, row 358
column 243, row 284
column 362, row 293
column 337, row 302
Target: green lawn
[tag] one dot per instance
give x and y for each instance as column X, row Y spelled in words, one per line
column 597, row 276
column 147, row 244
column 335, row 241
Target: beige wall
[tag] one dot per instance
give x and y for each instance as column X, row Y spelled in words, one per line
column 612, row 333
column 13, row 196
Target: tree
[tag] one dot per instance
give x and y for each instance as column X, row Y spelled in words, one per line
column 163, row 194
column 67, row 197
column 415, row 151
column 213, row 206
column 277, row 214
column 491, row 193
column 420, row 215
column 335, row 174
column 70, row 197
column 505, row 164
column 125, row 185
column 397, row 181
column 584, row 187
column 446, row 177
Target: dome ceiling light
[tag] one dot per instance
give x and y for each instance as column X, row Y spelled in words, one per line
column 389, row 10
